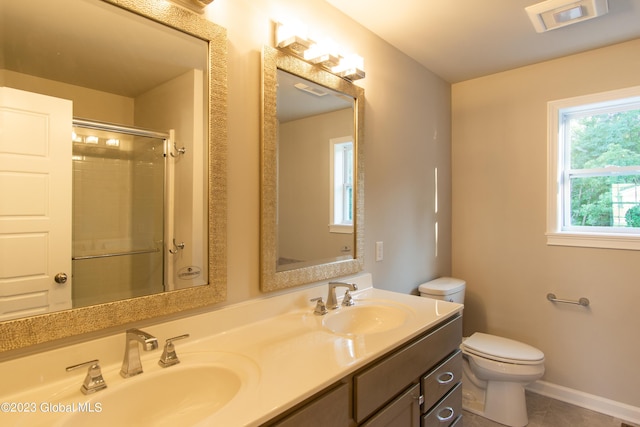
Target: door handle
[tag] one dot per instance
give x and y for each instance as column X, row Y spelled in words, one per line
column 61, row 278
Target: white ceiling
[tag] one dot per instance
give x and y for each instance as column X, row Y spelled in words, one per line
column 463, row 39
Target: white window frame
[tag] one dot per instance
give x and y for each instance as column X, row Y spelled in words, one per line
column 557, row 232
column 337, row 223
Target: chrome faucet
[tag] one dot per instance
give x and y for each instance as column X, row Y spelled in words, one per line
column 131, row 364
column 332, row 302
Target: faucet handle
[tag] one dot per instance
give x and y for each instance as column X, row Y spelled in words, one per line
column 347, row 301
column 321, row 308
column 93, row 381
column 169, row 356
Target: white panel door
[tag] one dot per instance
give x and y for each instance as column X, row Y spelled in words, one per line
column 35, row 203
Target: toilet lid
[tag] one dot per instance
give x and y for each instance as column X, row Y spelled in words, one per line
column 442, row 286
column 502, row 349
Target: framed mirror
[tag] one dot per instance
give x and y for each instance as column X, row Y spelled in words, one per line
column 312, row 176
column 126, row 69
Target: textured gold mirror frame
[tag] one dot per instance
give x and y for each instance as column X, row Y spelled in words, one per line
column 29, row 331
column 270, row 279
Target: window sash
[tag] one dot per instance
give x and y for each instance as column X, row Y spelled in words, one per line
column 559, row 228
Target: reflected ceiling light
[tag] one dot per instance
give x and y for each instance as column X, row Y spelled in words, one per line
column 312, row 90
column 552, row 14
column 75, row 137
column 293, row 37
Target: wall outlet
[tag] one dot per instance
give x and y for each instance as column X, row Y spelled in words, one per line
column 379, row 251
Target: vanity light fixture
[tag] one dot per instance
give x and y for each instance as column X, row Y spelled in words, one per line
column 324, row 53
column 91, row 139
column 324, row 59
column 113, row 142
column 351, row 67
column 293, row 37
column 195, row 5
column 552, row 14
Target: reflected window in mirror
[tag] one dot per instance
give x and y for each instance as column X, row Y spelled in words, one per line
column 341, row 186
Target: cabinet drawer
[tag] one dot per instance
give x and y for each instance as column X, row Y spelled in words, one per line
column 457, row 422
column 386, row 379
column 441, row 379
column 446, row 412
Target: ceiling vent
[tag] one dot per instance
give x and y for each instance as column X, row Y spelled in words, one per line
column 552, row 14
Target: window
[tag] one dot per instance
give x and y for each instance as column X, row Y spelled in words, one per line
column 341, row 193
column 594, row 170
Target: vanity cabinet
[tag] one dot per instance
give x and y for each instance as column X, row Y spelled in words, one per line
column 402, row 411
column 415, row 384
column 329, row 408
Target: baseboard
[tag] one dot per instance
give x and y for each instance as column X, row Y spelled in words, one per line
column 615, row 409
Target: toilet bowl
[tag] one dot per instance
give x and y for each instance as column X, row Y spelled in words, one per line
column 495, row 372
column 495, row 369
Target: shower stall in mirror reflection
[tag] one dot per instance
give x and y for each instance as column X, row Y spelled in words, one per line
column 126, row 193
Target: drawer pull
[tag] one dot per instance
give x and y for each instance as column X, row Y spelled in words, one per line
column 448, row 409
column 445, row 377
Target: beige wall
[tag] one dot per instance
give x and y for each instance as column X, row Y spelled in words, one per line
column 499, row 162
column 407, row 135
column 87, row 103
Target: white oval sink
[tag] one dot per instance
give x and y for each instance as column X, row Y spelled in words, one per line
column 202, row 386
column 174, row 397
column 365, row 319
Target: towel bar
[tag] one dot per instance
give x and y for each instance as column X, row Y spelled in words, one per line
column 582, row 301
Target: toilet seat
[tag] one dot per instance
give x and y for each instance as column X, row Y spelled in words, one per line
column 501, row 349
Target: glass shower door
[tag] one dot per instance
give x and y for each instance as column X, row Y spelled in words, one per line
column 118, row 214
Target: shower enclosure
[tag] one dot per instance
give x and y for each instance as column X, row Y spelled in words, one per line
column 121, row 190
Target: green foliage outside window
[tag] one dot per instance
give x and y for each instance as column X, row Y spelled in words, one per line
column 633, row 216
column 599, row 141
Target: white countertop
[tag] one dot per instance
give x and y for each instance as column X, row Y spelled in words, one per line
column 279, row 346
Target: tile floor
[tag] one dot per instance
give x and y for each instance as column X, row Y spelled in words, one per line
column 546, row 412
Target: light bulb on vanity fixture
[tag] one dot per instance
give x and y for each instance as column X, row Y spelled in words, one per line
column 323, row 53
column 351, row 67
column 194, row 5
column 294, row 38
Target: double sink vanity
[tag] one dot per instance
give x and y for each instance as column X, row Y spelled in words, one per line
column 271, row 361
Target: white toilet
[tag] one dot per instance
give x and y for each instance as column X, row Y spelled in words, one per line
column 495, row 369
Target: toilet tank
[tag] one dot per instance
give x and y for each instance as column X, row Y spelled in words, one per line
column 444, row 288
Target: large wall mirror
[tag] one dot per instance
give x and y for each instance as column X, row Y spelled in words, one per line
column 125, row 101
column 312, row 226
